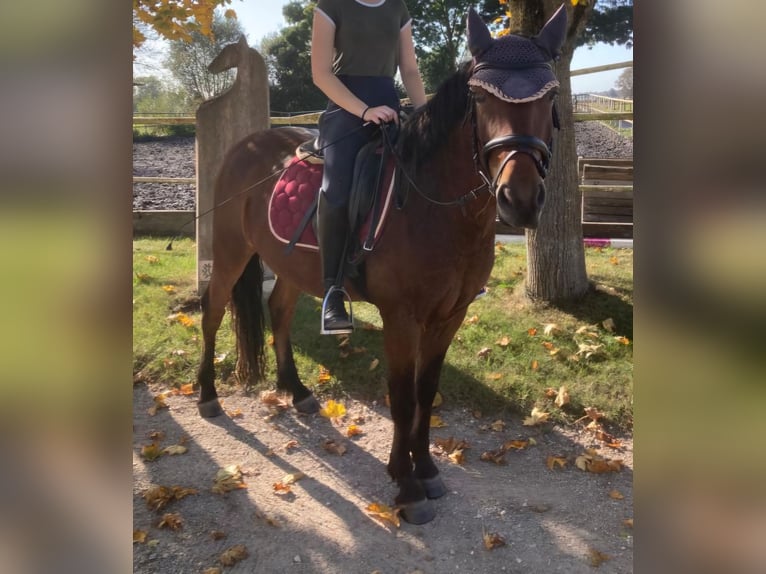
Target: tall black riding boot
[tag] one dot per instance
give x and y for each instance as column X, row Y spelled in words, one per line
column 332, row 231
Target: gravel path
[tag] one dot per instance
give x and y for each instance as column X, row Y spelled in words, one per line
column 174, row 157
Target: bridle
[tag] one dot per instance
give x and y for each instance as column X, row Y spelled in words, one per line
column 518, row 144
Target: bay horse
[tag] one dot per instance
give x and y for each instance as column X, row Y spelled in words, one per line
column 467, row 154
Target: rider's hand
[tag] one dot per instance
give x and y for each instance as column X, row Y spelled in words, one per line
column 380, row 114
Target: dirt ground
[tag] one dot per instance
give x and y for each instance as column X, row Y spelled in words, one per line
column 551, row 520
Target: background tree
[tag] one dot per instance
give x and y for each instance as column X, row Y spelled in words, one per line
column 288, row 58
column 624, row 84
column 555, row 251
column 151, row 95
column 175, row 19
column 188, row 60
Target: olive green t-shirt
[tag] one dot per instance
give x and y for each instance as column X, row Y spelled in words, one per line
column 366, row 35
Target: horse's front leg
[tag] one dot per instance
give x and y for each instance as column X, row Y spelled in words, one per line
column 213, row 309
column 435, row 342
column 401, row 352
column 282, row 302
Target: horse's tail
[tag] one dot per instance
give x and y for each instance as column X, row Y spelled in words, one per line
column 248, row 323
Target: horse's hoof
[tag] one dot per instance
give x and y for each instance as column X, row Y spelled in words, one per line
column 308, row 405
column 210, row 409
column 418, row 512
column 434, row 487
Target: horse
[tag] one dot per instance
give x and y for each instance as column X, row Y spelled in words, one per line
column 465, row 156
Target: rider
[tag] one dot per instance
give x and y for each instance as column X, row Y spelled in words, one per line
column 356, row 48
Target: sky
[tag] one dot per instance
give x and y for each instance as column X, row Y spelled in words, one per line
column 260, row 18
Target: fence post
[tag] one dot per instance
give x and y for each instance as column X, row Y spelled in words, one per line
column 222, row 121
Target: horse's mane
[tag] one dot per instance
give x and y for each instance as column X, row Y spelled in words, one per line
column 428, row 128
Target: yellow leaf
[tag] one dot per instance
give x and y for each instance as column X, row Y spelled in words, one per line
column 457, row 456
column 232, row 555
column 614, row 261
column 548, row 345
column 581, row 462
column 623, row 340
column 517, row 444
column 498, row 425
column 152, row 259
column 374, row 364
column 562, row 397
column 384, row 513
column 553, row 461
column 353, row 431
column 174, row 449
column 281, row 488
column 437, row 400
column 290, row 444
column 616, row 494
column 471, row 320
column 450, row 444
column 151, row 452
column 532, row 331
column 187, row 389
column 494, row 376
column 503, row 342
column 535, row 365
column 437, row 422
column 593, row 413
column 171, row 520
column 159, row 403
column 333, row 410
column 139, row 536
column 324, row 375
column 293, row 477
column 536, row 417
column 492, row 540
column 235, row 414
column 168, row 288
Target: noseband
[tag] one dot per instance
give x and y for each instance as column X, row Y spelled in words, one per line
column 517, row 144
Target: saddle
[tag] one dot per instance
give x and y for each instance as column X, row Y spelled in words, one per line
column 293, row 202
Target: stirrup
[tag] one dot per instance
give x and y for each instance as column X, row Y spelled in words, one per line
column 342, row 331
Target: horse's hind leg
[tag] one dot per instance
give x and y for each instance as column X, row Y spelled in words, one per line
column 282, row 303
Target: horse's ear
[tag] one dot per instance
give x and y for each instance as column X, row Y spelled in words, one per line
column 479, row 38
column 552, row 35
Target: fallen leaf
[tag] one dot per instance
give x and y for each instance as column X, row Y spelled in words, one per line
column 596, row 558
column 448, row 445
column 484, row 352
column 551, row 329
column 139, row 536
column 212, row 570
column 628, row 522
column 562, row 397
column 609, row 325
column 152, row 543
column 290, row 444
column 622, row 340
column 181, row 318
column 457, row 456
column 550, row 392
column 517, row 444
column 593, row 413
column 548, row 345
column 591, row 461
column 496, row 456
column 498, row 425
column 152, row 259
column 353, row 431
column 157, row 435
column 174, row 449
column 437, row 400
column 168, row 288
column 142, row 277
column 281, row 488
column 536, row 417
column 616, row 494
column 437, row 422
column 374, row 364
column 187, row 389
column 494, row 376
column 492, row 540
column 333, row 447
column 217, row 534
column 232, row 555
column 553, row 461
column 613, row 260
column 588, row 351
column 159, row 403
column 384, row 513
column 532, row 441
column 227, row 479
column 151, row 452
column 503, row 342
column 472, row 320
column 171, row 520
column 333, row 410
column 274, row 399
column 532, row 331
column 293, row 477
column 235, row 414
column 324, row 375
column 535, row 365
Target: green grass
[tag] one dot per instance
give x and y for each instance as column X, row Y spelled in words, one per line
column 512, row 376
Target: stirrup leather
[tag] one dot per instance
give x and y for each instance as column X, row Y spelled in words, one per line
column 323, row 330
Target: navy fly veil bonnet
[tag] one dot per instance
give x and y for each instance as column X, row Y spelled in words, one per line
column 514, row 68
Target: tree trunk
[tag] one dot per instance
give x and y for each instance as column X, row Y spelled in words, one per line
column 555, row 251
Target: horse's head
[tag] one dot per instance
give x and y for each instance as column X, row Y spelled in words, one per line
column 229, row 57
column 513, row 89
